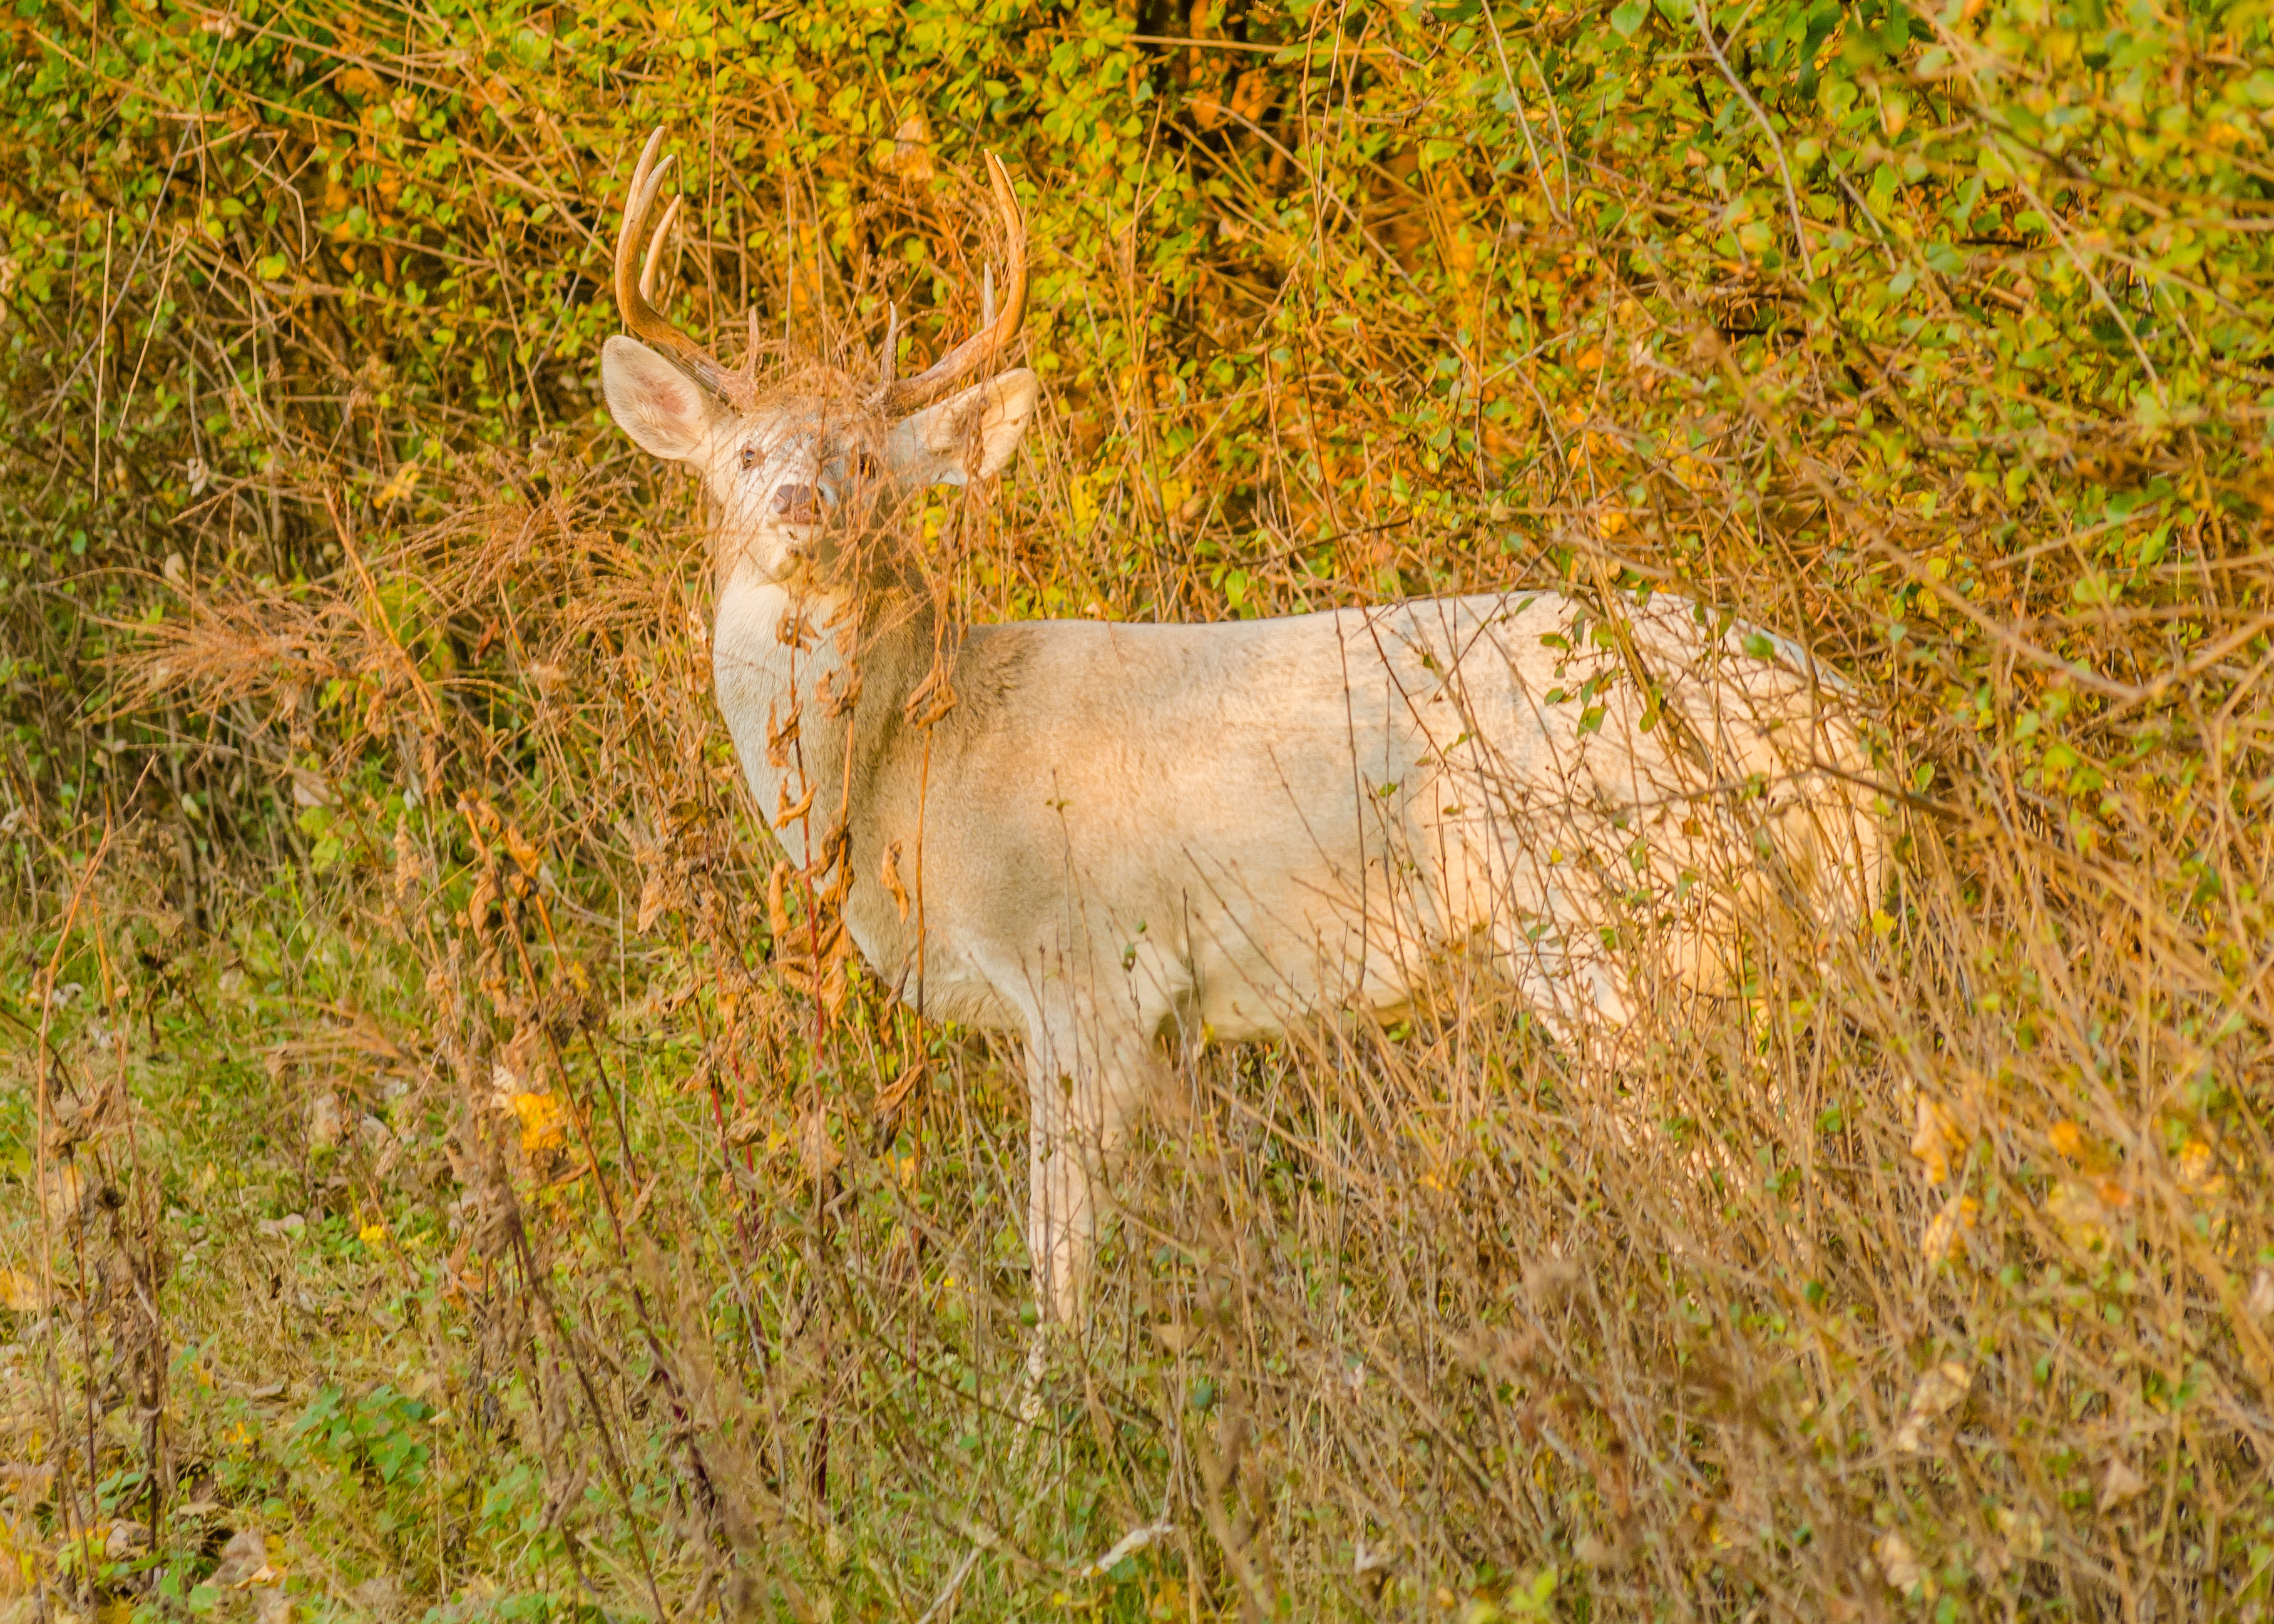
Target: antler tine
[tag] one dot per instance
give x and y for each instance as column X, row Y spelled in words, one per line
column 997, row 329
column 889, row 362
column 655, row 246
column 635, row 276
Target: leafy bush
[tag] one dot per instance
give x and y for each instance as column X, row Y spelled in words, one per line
column 357, row 709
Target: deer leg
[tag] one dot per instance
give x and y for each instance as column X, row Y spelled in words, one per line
column 1085, row 1083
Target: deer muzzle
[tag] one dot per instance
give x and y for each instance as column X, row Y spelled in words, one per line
column 798, row 504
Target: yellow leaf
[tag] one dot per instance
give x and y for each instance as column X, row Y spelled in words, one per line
column 21, row 1294
column 2198, row 1171
column 910, row 157
column 891, row 875
column 517, row 847
column 544, row 1122
column 398, row 487
column 2077, row 1213
column 1946, row 1230
column 1936, row 1140
column 2068, row 1138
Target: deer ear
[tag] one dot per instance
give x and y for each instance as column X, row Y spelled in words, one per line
column 661, row 408
column 968, row 436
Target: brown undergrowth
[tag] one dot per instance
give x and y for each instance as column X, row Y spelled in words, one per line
column 1946, row 1276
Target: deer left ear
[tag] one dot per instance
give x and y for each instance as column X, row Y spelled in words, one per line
column 968, row 436
column 661, row 408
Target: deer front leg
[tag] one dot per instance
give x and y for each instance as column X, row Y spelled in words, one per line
column 1080, row 1096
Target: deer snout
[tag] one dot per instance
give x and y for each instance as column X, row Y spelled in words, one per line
column 800, row 504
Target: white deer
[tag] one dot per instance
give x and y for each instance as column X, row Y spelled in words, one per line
column 1105, row 837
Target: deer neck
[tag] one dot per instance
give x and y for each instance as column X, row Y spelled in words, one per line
column 811, row 683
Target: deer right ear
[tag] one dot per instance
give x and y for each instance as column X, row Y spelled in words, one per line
column 966, row 436
column 661, row 408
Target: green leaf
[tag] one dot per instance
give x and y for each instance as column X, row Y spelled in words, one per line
column 1628, row 18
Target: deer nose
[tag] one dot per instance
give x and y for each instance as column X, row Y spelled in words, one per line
column 800, row 504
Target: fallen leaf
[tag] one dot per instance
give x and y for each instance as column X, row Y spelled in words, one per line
column 2259, row 1303
column 324, row 1121
column 742, row 1130
column 2024, row 1534
column 398, row 487
column 1594, row 1553
column 246, row 1554
column 2068, row 1138
column 21, row 1294
column 2120, row 1483
column 66, row 1194
column 2077, row 1213
column 311, row 789
column 2198, row 1171
column 1939, row 1390
column 18, row 1566
column 1898, row 1561
column 1946, row 1230
column 815, row 1148
column 897, row 1094
column 1935, row 1141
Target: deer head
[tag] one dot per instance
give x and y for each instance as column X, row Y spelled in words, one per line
column 782, row 463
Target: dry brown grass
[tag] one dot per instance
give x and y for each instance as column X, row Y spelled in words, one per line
column 1389, row 1315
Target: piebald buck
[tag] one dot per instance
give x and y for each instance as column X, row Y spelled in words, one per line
column 1101, row 836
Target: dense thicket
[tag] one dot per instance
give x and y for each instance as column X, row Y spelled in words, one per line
column 354, row 683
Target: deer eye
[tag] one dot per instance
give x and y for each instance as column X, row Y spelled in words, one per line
column 750, row 458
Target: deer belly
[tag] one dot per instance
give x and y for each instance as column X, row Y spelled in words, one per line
column 1306, row 940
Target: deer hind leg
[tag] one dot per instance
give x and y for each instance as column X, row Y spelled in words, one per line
column 1086, row 1080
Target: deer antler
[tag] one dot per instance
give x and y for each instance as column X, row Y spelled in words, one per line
column 635, row 276
column 905, row 395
